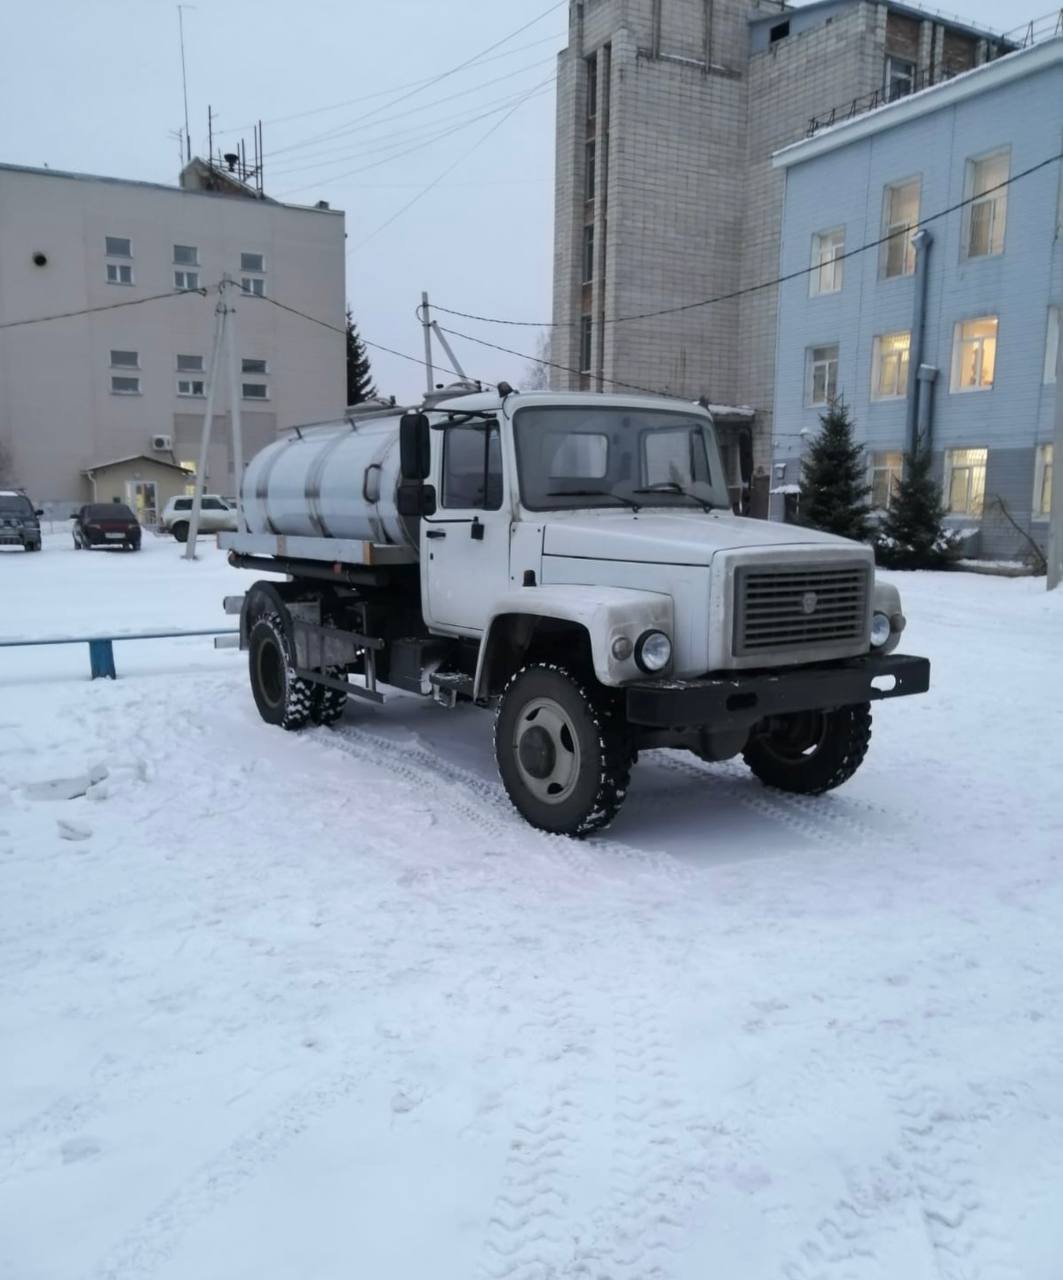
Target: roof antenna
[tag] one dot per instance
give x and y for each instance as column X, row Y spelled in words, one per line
column 184, row 74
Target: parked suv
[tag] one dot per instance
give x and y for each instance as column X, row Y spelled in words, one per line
column 20, row 524
column 216, row 514
column 106, row 524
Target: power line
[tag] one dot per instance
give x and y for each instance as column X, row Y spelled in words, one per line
column 110, row 306
column 767, row 284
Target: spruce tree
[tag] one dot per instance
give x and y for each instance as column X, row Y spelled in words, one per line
column 913, row 534
column 833, row 488
column 359, row 375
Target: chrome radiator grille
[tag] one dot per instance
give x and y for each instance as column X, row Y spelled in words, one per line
column 800, row 606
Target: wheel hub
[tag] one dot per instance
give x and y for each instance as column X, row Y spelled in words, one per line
column 537, row 753
column 546, row 747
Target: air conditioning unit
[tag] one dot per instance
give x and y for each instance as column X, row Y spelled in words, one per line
column 162, row 444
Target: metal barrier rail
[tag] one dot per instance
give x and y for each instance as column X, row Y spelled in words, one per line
column 101, row 648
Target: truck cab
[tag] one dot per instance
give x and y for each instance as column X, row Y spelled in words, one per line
column 574, row 562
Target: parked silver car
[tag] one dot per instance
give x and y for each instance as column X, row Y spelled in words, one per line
column 216, row 514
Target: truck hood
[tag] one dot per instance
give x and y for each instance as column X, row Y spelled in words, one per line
column 670, row 537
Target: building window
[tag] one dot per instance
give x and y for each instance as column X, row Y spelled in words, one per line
column 592, row 86
column 191, row 387
column 900, row 77
column 125, row 386
column 1042, row 487
column 119, row 273
column 186, row 279
column 189, row 364
column 185, row 255
column 988, row 210
column 590, row 154
column 252, row 262
column 889, row 366
column 821, row 375
column 125, row 360
column 974, row 354
column 255, row 391
column 779, row 32
column 588, row 255
column 253, row 284
column 585, row 331
column 118, row 247
column 1052, row 345
column 827, row 262
column 900, row 213
column 254, row 366
column 965, row 481
column 886, row 469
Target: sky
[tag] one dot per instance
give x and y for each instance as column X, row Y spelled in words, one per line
column 347, row 118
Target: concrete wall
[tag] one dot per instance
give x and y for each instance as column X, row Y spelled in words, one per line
column 57, row 413
column 844, row 186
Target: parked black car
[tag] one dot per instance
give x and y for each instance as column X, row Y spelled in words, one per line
column 106, row 524
column 20, row 524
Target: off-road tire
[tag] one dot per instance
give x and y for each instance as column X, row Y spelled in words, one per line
column 282, row 697
column 605, row 755
column 327, row 705
column 837, row 742
column 180, row 531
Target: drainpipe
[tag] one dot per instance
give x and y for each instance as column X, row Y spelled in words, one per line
column 922, row 241
column 926, row 374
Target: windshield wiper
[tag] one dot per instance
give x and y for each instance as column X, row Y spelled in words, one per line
column 595, row 493
column 672, row 486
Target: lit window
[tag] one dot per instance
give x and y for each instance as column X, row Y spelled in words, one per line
column 590, row 154
column 125, row 360
column 821, row 375
column 252, row 262
column 125, row 386
column 118, row 247
column 191, row 387
column 253, row 366
column 827, row 263
column 253, row 284
column 186, row 279
column 900, row 213
column 1052, row 345
column 189, row 364
column 588, row 254
column 1042, row 486
column 900, row 77
column 585, row 331
column 186, row 255
column 889, row 366
column 119, row 273
column 987, row 214
column 965, row 481
column 886, row 469
column 255, row 391
column 974, row 354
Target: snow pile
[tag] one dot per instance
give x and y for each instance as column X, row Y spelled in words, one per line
column 320, row 1005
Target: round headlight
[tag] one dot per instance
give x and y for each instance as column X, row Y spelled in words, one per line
column 880, row 630
column 653, row 651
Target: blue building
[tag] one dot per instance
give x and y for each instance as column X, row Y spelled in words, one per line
column 978, row 381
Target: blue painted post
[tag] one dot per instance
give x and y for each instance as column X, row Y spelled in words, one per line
column 101, row 659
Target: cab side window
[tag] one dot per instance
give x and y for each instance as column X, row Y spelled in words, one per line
column 472, row 468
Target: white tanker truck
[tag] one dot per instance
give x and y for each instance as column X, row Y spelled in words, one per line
column 571, row 560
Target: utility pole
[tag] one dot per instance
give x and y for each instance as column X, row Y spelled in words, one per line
column 220, row 312
column 426, row 324
column 1055, row 519
column 234, row 413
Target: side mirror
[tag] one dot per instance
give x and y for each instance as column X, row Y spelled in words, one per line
column 39, row 511
column 415, row 499
column 415, row 447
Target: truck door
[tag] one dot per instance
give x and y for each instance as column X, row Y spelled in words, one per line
column 465, row 545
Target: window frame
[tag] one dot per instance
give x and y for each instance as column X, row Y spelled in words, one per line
column 996, row 200
column 108, row 252
column 893, row 471
column 118, row 268
column 253, row 285
column 592, row 87
column 810, row 374
column 489, row 430
column 590, row 176
column 135, row 390
column 263, row 386
column 835, row 263
column 191, row 383
column 189, row 368
column 1052, row 341
column 586, row 344
column 912, row 76
column 903, row 361
column 193, row 261
column 892, row 229
column 958, row 341
column 186, row 281
column 950, row 468
column 1043, row 474
column 124, row 364
column 263, row 372
column 254, row 271
column 587, row 254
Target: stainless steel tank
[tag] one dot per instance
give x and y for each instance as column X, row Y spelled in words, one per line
column 334, row 481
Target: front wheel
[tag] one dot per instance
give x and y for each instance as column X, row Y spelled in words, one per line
column 809, row 752
column 563, row 753
column 180, row 531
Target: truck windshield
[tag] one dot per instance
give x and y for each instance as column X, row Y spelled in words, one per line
column 607, row 456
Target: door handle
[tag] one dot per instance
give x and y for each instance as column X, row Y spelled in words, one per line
column 436, row 533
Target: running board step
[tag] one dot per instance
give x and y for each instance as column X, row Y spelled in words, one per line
column 448, row 685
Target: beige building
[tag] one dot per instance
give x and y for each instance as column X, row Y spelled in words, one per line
column 668, row 114
column 130, row 380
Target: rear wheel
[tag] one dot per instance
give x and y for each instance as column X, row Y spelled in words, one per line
column 810, row 752
column 77, row 543
column 282, row 697
column 328, row 705
column 562, row 751
column 180, row 531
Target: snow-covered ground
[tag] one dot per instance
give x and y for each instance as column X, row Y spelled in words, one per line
column 319, row 1006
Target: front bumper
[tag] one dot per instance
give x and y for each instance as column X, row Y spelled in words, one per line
column 738, row 701
column 20, row 537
